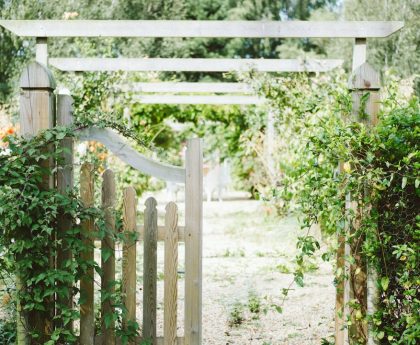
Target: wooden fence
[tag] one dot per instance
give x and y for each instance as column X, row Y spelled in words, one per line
column 41, row 109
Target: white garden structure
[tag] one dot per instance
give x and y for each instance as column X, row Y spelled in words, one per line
column 359, row 32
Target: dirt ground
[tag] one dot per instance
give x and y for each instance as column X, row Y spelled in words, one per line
column 247, row 259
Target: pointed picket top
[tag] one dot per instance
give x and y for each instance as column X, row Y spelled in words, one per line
column 108, row 188
column 37, row 76
column 151, row 203
column 364, row 77
column 171, row 217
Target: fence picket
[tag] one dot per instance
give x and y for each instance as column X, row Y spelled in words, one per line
column 108, row 258
column 171, row 274
column 150, row 270
column 129, row 255
column 87, row 314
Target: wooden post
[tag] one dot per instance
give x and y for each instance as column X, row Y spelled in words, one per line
column 87, row 313
column 37, row 105
column 171, row 274
column 372, row 300
column 41, row 51
column 150, row 270
column 37, row 112
column 364, row 80
column 269, row 145
column 359, row 52
column 65, row 183
column 129, row 255
column 108, row 258
column 343, row 249
column 193, row 242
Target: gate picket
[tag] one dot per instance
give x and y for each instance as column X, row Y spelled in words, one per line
column 129, row 255
column 87, row 313
column 108, row 258
column 171, row 274
column 150, row 270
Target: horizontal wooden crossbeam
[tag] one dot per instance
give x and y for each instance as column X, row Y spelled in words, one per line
column 186, row 87
column 161, row 232
column 195, row 99
column 200, row 28
column 193, row 65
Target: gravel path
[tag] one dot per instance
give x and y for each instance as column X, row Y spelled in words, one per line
column 247, row 261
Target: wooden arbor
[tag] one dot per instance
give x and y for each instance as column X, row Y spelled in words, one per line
column 359, row 31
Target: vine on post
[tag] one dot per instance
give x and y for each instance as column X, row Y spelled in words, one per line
column 380, row 170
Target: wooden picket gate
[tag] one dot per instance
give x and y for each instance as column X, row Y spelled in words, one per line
column 149, row 233
column 41, row 109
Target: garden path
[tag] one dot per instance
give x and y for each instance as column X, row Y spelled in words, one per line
column 248, row 255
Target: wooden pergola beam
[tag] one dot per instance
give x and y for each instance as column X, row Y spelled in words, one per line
column 194, row 99
column 192, row 65
column 200, row 28
column 188, row 87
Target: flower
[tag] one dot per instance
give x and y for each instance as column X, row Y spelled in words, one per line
column 70, row 15
column 11, row 130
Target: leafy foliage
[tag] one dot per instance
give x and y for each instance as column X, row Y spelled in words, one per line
column 29, row 213
column 380, row 168
column 29, row 240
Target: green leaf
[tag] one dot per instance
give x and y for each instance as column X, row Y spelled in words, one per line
column 61, row 135
column 384, row 283
column 48, row 135
column 278, row 309
column 106, row 253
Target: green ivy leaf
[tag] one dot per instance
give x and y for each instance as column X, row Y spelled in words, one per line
column 384, row 283
column 106, row 253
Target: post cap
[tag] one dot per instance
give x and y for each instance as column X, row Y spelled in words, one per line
column 37, row 76
column 364, row 77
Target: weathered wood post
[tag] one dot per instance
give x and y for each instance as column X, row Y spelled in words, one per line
column 41, row 50
column 150, row 270
column 343, row 249
column 193, row 241
column 65, row 183
column 108, row 259
column 129, row 256
column 37, row 113
column 171, row 275
column 364, row 84
column 269, row 142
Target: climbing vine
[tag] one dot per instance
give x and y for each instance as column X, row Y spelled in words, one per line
column 380, row 170
column 29, row 241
